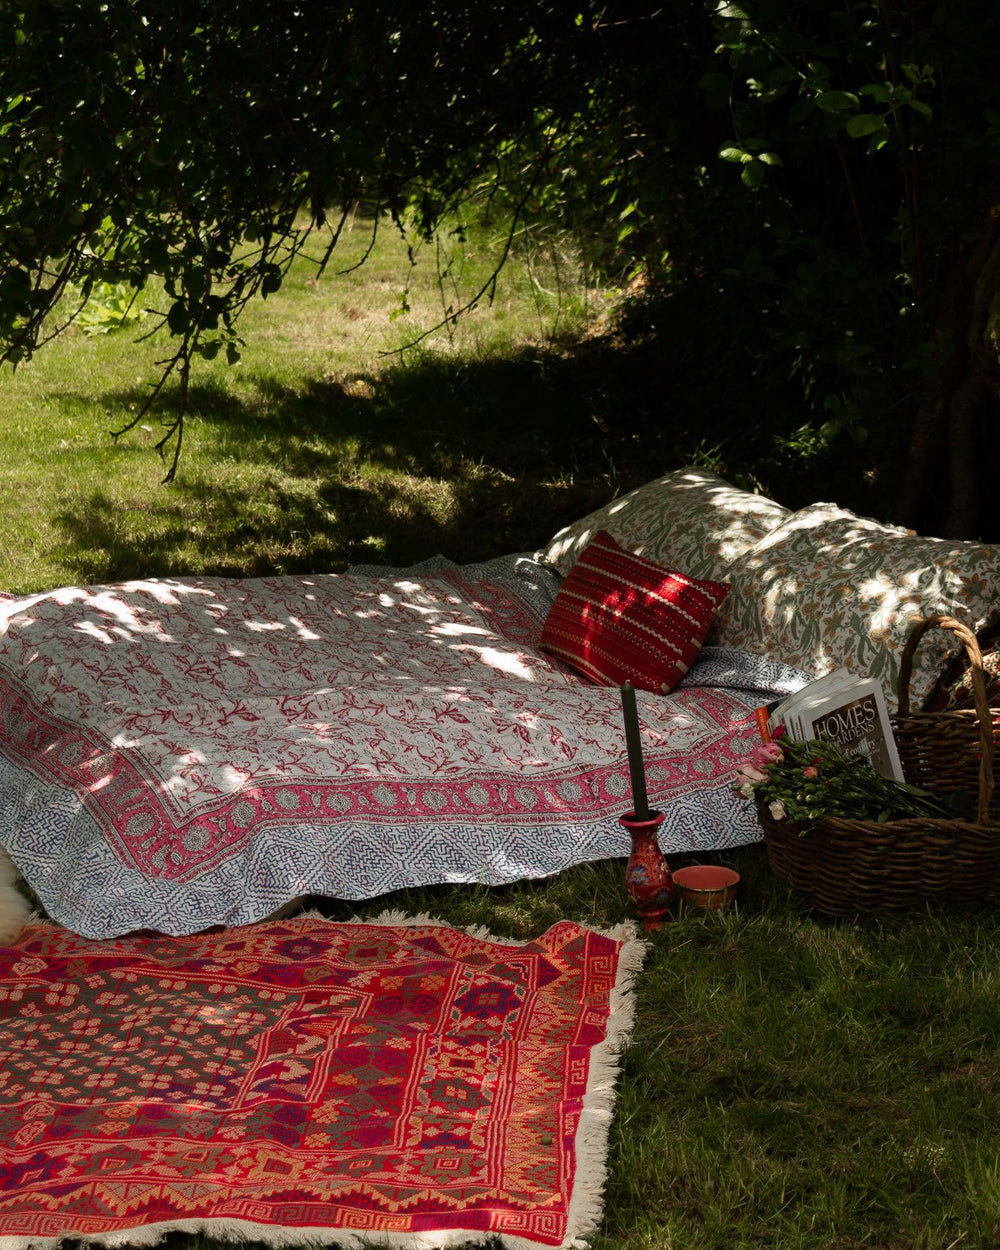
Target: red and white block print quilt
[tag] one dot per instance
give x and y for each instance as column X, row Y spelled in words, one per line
column 186, row 752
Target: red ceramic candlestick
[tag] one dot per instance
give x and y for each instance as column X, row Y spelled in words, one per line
column 647, row 877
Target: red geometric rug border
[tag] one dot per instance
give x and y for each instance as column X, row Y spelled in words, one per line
column 607, row 998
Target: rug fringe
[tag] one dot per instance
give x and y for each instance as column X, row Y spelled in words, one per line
column 593, row 1132
column 624, row 932
column 243, row 1231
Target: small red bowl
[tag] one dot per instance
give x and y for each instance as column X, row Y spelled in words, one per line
column 706, row 885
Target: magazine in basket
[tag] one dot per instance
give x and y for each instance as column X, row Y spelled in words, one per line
column 841, row 708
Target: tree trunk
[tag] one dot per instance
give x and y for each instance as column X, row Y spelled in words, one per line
column 949, row 414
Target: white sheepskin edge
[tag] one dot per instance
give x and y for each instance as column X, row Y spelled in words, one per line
column 14, row 908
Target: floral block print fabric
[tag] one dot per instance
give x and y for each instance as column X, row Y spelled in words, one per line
column 183, row 753
column 830, row 589
column 690, row 520
column 302, row 1082
column 619, row 617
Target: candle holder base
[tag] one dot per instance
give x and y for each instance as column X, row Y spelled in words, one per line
column 647, row 877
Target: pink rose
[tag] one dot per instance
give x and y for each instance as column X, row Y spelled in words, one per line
column 810, row 773
column 762, row 756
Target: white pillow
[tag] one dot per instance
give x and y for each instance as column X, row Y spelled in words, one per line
column 690, row 520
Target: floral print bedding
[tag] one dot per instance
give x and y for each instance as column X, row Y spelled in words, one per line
column 689, row 520
column 828, row 589
column 180, row 753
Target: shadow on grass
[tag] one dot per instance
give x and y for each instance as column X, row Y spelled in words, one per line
column 469, row 457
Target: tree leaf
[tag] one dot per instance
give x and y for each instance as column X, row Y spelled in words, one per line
column 780, row 77
column 753, row 175
column 862, row 124
column 177, row 318
column 829, row 430
column 836, row 101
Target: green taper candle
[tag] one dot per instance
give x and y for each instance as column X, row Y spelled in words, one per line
column 640, row 804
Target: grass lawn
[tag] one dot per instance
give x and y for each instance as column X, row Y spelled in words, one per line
column 794, row 1081
column 322, row 448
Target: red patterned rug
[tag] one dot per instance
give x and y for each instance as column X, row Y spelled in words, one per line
column 397, row 1083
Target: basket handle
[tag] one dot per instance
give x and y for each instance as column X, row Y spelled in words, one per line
column 978, row 681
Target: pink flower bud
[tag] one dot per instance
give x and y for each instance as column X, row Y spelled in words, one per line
column 810, row 773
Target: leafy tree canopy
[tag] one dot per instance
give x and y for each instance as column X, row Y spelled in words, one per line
column 863, row 260
column 810, row 191
column 192, row 141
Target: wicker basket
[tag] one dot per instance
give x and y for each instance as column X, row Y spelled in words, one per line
column 849, row 866
column 949, row 750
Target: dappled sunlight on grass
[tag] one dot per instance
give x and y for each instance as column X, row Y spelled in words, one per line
column 321, row 450
column 317, row 475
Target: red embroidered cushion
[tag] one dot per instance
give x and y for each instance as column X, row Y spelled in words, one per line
column 619, row 617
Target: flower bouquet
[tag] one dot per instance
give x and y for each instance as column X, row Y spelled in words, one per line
column 807, row 782
column 870, row 843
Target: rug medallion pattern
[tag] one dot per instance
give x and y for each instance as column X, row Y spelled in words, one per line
column 346, row 1080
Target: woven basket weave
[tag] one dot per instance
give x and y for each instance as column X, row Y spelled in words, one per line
column 949, row 750
column 849, row 866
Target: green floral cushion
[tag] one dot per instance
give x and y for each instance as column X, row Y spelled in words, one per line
column 829, row 589
column 690, row 520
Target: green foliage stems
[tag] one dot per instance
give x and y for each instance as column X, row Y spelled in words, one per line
column 865, row 150
column 810, row 186
column 199, row 143
column 814, row 781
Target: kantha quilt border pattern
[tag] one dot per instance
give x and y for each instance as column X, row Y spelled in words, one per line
column 369, row 835
column 145, row 835
column 91, row 891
